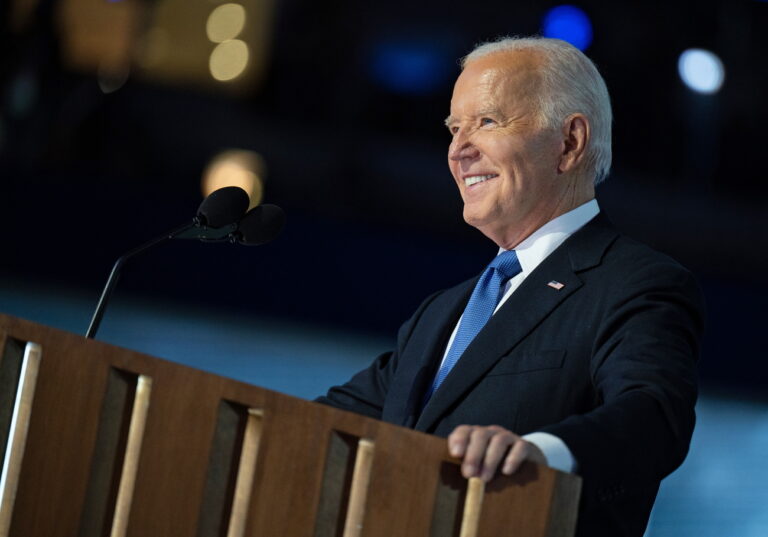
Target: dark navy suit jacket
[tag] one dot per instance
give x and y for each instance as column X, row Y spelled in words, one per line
column 606, row 363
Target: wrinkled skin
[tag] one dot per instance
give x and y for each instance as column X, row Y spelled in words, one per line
column 496, row 129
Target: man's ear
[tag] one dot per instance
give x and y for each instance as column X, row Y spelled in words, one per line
column 576, row 134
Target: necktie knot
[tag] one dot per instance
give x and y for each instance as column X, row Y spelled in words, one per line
column 507, row 264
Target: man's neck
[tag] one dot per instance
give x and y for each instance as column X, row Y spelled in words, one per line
column 510, row 238
column 576, row 192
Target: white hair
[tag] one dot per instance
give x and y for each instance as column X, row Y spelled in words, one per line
column 571, row 84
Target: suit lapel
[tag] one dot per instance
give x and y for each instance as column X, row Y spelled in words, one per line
column 422, row 353
column 528, row 306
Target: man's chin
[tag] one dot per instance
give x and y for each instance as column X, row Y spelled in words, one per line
column 496, row 229
column 476, row 219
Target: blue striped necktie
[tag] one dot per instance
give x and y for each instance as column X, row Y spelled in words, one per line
column 482, row 303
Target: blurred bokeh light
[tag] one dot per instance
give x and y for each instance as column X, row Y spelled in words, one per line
column 225, row 22
column 229, row 60
column 236, row 167
column 701, row 70
column 409, row 67
column 569, row 23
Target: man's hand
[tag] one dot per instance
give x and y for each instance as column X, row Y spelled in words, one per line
column 482, row 448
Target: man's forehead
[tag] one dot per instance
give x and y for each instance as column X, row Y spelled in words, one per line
column 492, row 83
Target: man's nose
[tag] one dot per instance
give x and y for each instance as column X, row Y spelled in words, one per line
column 462, row 147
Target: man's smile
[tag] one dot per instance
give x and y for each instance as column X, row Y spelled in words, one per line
column 474, row 179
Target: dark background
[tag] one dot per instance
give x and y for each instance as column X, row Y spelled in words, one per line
column 355, row 148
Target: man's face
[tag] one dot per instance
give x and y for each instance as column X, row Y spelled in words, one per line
column 504, row 162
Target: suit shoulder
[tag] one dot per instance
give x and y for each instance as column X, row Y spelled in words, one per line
column 599, row 251
column 632, row 269
column 628, row 256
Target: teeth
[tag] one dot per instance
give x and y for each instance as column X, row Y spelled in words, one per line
column 469, row 181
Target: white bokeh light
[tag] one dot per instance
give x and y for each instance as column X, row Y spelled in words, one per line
column 701, row 70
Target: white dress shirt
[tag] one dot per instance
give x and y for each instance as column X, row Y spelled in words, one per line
column 532, row 251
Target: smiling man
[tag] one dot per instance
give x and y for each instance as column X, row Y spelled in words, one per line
column 576, row 346
column 515, row 171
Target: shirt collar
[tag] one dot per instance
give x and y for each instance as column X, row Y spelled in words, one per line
column 542, row 242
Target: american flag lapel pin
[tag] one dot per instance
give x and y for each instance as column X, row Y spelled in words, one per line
column 556, row 285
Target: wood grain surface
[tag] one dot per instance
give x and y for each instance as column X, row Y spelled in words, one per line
column 297, row 468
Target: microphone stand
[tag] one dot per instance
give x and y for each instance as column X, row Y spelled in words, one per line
column 193, row 230
column 115, row 274
column 226, row 204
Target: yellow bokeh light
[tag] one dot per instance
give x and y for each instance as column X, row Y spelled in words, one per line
column 236, row 167
column 225, row 22
column 228, row 60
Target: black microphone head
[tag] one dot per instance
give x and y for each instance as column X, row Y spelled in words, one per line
column 223, row 206
column 260, row 225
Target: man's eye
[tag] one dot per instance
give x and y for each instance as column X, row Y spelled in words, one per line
column 486, row 121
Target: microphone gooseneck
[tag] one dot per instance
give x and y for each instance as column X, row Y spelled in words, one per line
column 114, row 275
column 217, row 218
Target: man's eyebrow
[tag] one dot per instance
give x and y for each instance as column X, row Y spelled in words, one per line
column 491, row 111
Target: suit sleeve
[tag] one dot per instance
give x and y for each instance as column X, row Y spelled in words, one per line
column 643, row 372
column 365, row 392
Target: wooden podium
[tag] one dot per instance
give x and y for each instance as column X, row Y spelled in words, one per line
column 102, row 441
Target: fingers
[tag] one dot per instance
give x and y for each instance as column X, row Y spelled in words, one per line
column 515, row 458
column 474, row 461
column 522, row 451
column 483, row 448
column 495, row 451
column 458, row 440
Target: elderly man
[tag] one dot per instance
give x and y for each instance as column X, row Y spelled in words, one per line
column 576, row 346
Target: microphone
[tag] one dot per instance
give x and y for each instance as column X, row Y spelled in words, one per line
column 260, row 225
column 217, row 215
column 222, row 207
column 216, row 219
